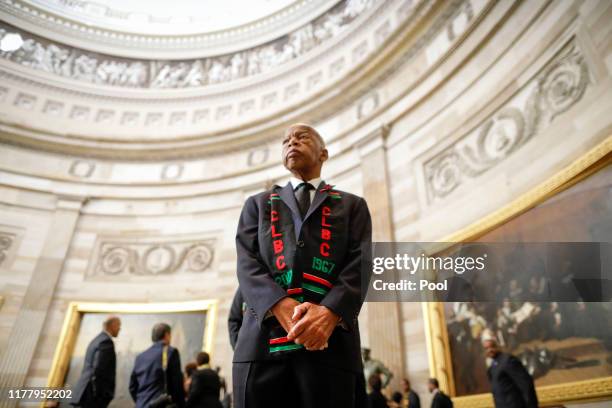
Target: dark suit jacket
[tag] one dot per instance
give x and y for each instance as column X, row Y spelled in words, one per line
column 234, row 321
column 441, row 400
column 204, row 390
column 147, row 381
column 511, row 384
column 377, row 400
column 413, row 400
column 280, row 255
column 96, row 386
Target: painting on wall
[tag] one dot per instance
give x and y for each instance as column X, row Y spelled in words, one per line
column 566, row 345
column 192, row 324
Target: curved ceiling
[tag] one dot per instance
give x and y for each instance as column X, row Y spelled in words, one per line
column 147, row 29
column 154, row 17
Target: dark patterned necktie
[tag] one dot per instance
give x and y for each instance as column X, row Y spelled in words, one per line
column 302, row 195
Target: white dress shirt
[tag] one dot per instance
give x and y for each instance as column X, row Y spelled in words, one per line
column 314, row 182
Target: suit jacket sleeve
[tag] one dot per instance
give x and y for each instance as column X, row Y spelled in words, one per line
column 133, row 384
column 234, row 321
column 345, row 298
column 175, row 379
column 104, row 371
column 523, row 381
column 415, row 401
column 256, row 283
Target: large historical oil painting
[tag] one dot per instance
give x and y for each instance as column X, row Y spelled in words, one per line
column 191, row 323
column 566, row 346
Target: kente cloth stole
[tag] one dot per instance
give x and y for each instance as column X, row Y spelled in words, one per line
column 310, row 281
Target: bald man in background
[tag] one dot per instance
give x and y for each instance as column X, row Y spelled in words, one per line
column 96, row 386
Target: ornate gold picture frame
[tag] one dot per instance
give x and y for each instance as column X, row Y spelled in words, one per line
column 438, row 345
column 77, row 310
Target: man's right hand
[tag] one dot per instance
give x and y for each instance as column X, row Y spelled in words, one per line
column 283, row 311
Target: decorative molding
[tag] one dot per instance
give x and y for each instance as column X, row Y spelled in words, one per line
column 6, row 241
column 78, row 64
column 10, row 239
column 81, row 169
column 559, row 86
column 120, row 258
column 286, row 92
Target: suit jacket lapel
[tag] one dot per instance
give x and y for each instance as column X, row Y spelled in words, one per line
column 287, row 197
column 318, row 199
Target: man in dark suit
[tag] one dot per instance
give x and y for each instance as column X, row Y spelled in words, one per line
column 410, row 398
column 511, row 384
column 205, row 386
column 147, row 382
column 301, row 249
column 234, row 321
column 440, row 400
column 96, row 385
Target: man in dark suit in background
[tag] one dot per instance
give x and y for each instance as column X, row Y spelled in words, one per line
column 234, row 321
column 440, row 400
column 300, row 251
column 205, row 386
column 511, row 384
column 96, row 386
column 156, row 370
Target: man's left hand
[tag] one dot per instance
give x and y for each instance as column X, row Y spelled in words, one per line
column 314, row 324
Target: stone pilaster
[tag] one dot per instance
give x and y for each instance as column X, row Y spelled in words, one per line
column 384, row 323
column 26, row 331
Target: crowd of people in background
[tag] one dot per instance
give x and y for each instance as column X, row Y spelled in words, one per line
column 156, row 379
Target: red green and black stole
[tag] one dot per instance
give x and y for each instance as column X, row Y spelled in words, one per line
column 309, row 282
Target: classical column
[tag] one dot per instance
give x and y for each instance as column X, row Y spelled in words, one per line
column 26, row 331
column 384, row 323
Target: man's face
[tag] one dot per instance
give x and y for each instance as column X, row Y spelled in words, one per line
column 430, row 387
column 491, row 348
column 115, row 328
column 302, row 151
column 406, row 385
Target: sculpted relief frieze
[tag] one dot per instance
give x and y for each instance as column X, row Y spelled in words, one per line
column 81, row 65
column 121, row 258
column 6, row 241
column 558, row 87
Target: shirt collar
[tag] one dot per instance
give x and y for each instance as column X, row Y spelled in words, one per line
column 296, row 181
column 203, row 366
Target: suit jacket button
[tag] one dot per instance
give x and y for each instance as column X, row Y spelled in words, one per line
column 300, row 243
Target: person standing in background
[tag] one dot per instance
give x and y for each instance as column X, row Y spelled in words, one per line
column 157, row 371
column 439, row 400
column 96, row 385
column 511, row 384
column 410, row 398
column 205, row 387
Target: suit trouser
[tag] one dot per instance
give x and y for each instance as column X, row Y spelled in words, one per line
column 295, row 380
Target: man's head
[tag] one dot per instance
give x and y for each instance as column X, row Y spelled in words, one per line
column 303, row 151
column 203, row 358
column 161, row 332
column 365, row 353
column 491, row 347
column 406, row 385
column 112, row 325
column 432, row 384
